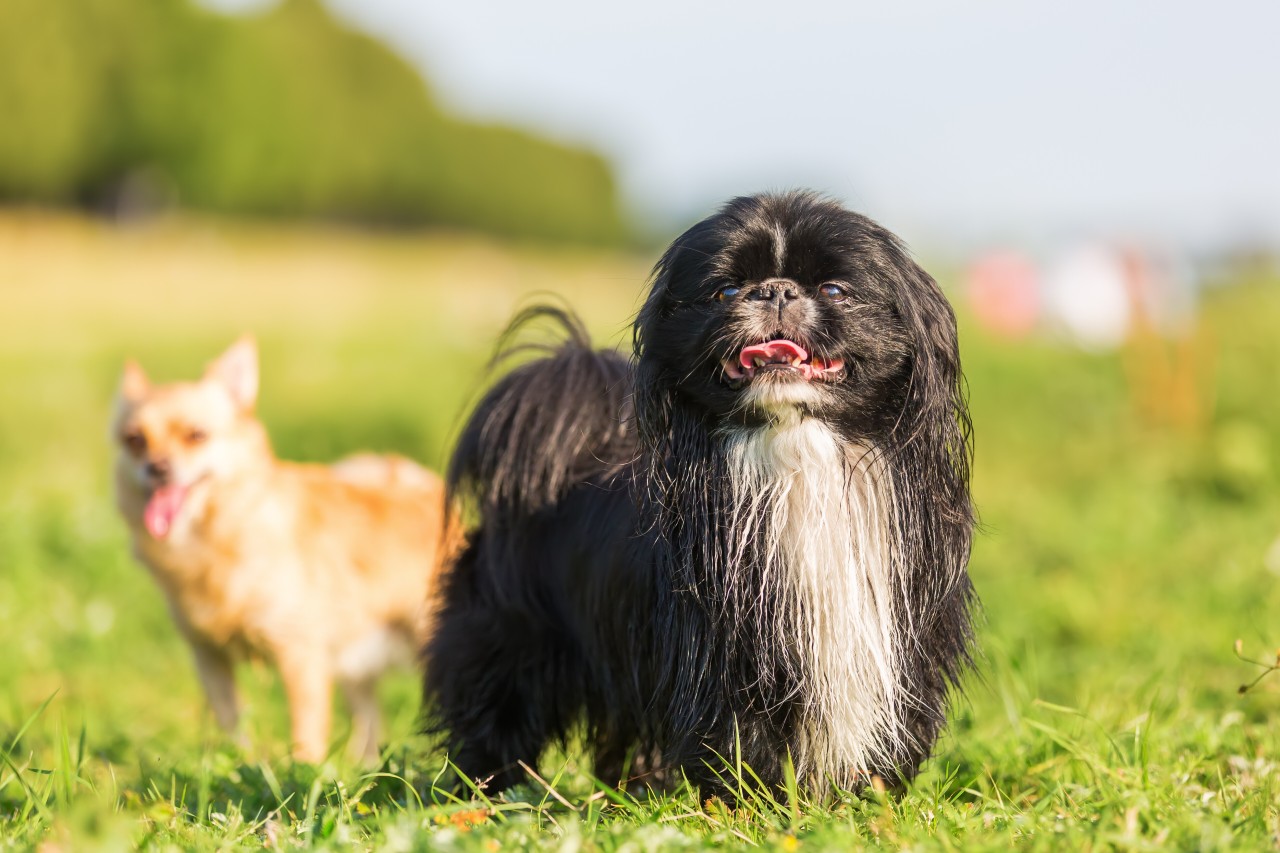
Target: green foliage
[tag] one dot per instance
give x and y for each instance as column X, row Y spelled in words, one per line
column 1116, row 570
column 284, row 113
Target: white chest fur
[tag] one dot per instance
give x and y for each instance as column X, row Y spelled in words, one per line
column 827, row 512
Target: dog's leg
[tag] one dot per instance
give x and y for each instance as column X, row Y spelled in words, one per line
column 217, row 676
column 494, row 690
column 623, row 761
column 308, row 684
column 362, row 700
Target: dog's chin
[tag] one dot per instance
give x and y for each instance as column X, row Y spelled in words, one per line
column 777, row 393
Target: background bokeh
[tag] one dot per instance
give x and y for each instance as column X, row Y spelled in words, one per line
column 373, row 188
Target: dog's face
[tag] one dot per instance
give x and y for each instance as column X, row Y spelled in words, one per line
column 176, row 440
column 786, row 302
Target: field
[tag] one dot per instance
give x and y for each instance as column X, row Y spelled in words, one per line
column 1120, row 560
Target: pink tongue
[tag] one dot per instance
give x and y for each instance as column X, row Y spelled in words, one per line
column 162, row 509
column 779, row 350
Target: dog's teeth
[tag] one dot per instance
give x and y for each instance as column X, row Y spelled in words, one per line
column 759, row 361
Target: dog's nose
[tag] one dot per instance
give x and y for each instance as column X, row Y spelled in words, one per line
column 158, row 469
column 778, row 290
column 778, row 294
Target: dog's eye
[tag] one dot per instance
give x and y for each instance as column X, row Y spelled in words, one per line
column 833, row 291
column 196, row 436
column 728, row 292
column 134, row 440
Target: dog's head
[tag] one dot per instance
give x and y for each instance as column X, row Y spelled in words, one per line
column 175, row 440
column 789, row 303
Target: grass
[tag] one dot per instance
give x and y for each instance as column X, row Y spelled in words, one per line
column 1119, row 562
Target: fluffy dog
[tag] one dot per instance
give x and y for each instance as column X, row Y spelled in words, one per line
column 750, row 542
column 323, row 571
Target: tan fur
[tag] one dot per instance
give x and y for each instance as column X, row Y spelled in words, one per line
column 323, row 571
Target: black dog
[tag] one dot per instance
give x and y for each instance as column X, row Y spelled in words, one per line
column 749, row 543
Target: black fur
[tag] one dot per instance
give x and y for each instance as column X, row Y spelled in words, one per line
column 606, row 582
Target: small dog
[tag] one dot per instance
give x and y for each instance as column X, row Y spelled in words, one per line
column 749, row 543
column 323, row 571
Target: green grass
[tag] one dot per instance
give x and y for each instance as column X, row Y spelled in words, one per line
column 1119, row 562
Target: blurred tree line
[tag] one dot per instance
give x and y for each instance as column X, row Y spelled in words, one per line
column 110, row 103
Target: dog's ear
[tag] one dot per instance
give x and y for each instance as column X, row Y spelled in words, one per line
column 134, row 384
column 683, row 264
column 651, row 400
column 932, row 440
column 237, row 371
column 936, row 399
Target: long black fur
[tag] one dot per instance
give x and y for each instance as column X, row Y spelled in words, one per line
column 606, row 583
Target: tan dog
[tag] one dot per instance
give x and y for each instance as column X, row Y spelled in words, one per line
column 323, row 571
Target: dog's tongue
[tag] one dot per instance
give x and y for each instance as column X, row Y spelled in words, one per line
column 162, row 509
column 779, row 350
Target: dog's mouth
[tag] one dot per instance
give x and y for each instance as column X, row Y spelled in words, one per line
column 781, row 357
column 164, row 505
column 162, row 508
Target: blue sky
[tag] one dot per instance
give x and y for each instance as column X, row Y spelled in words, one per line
column 956, row 122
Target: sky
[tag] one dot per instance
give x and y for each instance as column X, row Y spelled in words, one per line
column 960, row 122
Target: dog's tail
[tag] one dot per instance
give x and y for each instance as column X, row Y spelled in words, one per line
column 548, row 425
